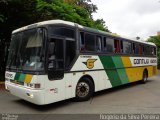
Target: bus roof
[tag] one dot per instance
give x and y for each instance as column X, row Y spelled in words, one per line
column 49, row 22
column 39, row 24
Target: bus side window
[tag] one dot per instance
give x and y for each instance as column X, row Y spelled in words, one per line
column 104, row 44
column 117, row 46
column 150, row 50
column 141, row 49
column 82, row 45
column 90, row 43
column 98, row 43
column 108, row 44
column 121, row 42
column 70, row 52
column 147, row 50
column 154, row 50
column 136, row 48
column 126, row 47
column 133, row 48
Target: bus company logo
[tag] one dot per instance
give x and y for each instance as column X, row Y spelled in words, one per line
column 90, row 63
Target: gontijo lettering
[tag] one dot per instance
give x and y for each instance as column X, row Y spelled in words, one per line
column 141, row 61
column 144, row 61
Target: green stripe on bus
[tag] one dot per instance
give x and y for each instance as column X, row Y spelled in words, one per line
column 117, row 62
column 17, row 76
column 121, row 72
column 113, row 77
column 123, row 76
column 112, row 74
column 22, row 77
column 116, row 76
column 107, row 62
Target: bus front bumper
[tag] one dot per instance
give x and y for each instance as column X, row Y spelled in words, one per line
column 31, row 95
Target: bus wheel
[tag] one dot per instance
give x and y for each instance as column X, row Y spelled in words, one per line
column 145, row 77
column 84, row 89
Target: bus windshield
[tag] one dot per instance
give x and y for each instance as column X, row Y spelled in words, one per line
column 25, row 52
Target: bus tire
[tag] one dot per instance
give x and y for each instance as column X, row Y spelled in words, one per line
column 84, row 89
column 145, row 76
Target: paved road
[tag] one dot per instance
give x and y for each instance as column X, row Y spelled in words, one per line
column 133, row 98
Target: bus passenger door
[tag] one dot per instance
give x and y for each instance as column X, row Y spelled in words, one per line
column 55, row 86
column 70, row 53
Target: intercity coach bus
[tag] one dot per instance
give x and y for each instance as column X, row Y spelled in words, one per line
column 56, row 60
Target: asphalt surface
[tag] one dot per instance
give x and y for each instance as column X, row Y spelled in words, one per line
column 133, row 98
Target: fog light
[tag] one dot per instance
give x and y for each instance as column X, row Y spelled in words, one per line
column 30, row 95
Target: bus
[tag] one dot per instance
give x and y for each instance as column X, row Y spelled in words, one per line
column 56, row 60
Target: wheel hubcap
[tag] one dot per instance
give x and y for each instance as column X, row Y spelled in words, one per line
column 82, row 89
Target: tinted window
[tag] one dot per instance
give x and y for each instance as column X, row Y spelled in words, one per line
column 99, row 43
column 26, row 50
column 55, row 53
column 141, row 49
column 70, row 52
column 108, row 44
column 126, row 47
column 82, row 47
column 61, row 31
column 90, row 42
column 154, row 50
column 147, row 50
column 150, row 50
column 117, row 46
column 136, row 48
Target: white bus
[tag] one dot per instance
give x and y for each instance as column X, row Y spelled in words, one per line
column 56, row 60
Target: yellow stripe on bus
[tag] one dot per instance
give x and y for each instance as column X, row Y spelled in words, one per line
column 28, row 78
column 136, row 73
column 126, row 61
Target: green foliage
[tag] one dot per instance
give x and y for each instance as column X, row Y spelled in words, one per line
column 74, row 11
column 18, row 13
column 85, row 4
column 156, row 40
column 100, row 24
